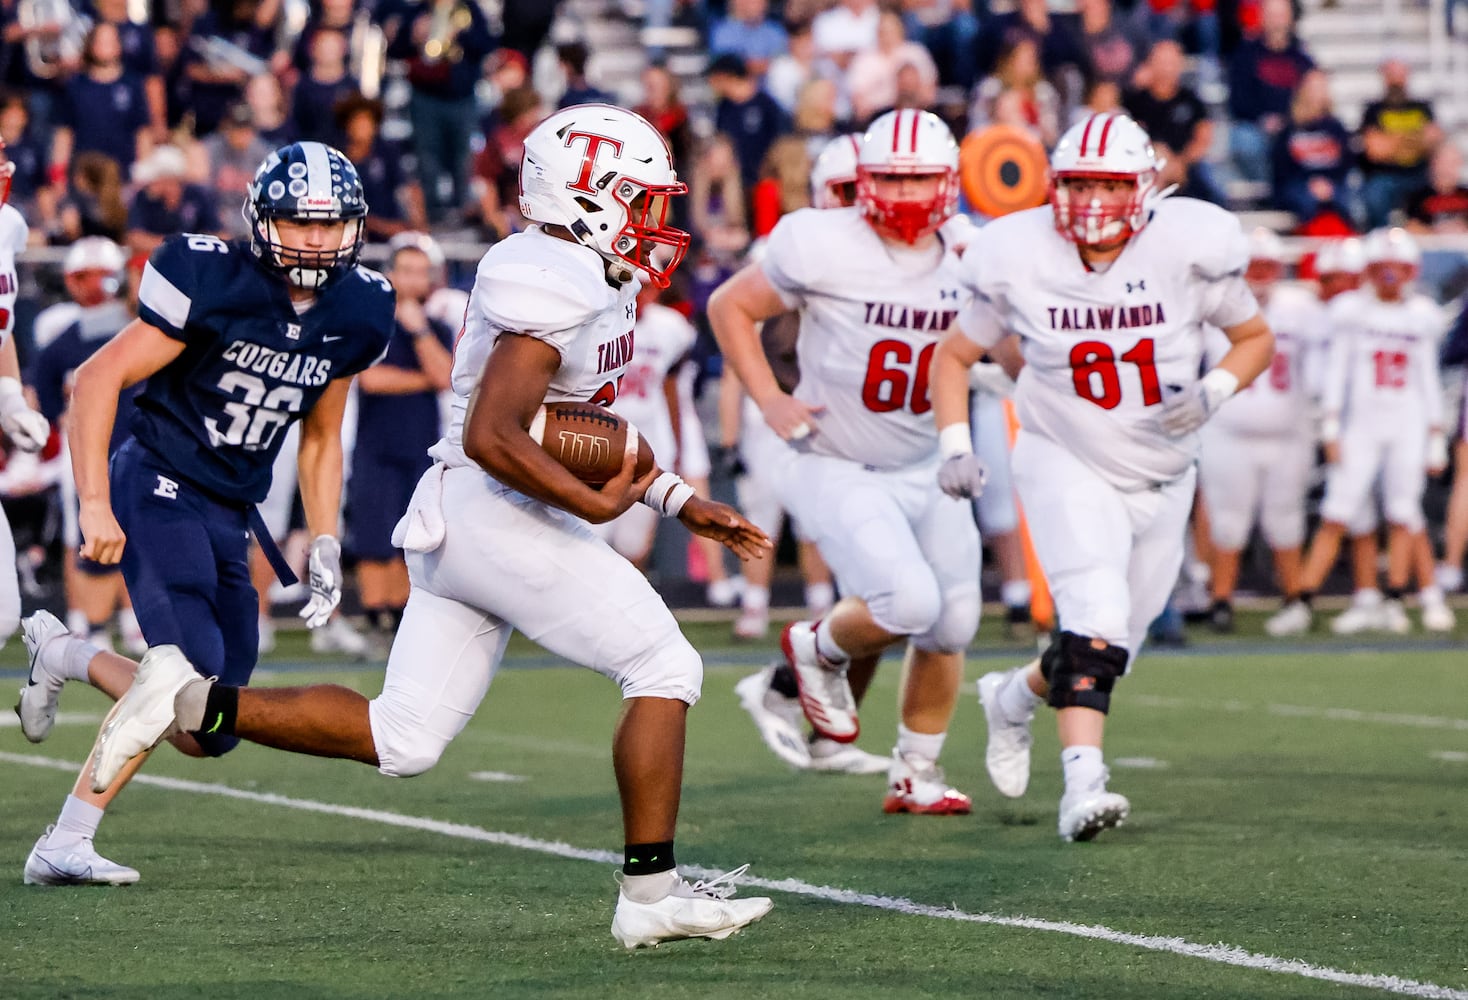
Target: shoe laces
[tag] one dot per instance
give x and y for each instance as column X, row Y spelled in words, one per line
column 718, row 887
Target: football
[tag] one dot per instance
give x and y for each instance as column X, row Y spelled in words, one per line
column 588, row 440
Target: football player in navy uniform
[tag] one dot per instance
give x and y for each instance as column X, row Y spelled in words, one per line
column 237, row 341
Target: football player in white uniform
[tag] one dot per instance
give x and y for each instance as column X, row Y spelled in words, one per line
column 904, row 555
column 26, row 429
column 1258, row 454
column 550, row 318
column 1383, row 417
column 996, row 509
column 1107, row 290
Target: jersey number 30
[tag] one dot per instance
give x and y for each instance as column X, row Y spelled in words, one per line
column 253, row 422
column 1094, row 372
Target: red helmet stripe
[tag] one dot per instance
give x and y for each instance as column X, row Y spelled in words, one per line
column 1105, row 131
column 917, row 117
column 1086, row 135
column 896, row 131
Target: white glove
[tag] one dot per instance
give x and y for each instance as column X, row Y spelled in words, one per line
column 963, row 476
column 1185, row 410
column 326, row 581
column 27, row 429
column 1437, row 451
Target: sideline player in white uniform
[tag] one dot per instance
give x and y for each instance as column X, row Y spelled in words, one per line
column 1258, row 454
column 26, row 429
column 496, row 535
column 904, row 555
column 1107, row 290
column 1383, row 416
column 996, row 509
column 647, row 396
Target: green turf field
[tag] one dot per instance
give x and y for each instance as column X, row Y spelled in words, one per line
column 1298, row 802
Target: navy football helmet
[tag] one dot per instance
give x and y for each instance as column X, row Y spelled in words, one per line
column 306, row 182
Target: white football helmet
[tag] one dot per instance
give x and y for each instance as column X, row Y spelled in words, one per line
column 1343, row 256
column 1106, row 146
column 93, row 253
column 833, row 177
column 1392, row 246
column 907, row 141
column 606, row 175
column 1266, row 259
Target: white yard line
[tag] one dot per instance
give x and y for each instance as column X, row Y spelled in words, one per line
column 9, row 720
column 1219, row 953
column 496, row 776
column 1451, row 756
column 1304, row 712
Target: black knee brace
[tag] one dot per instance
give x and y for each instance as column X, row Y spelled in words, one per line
column 1079, row 675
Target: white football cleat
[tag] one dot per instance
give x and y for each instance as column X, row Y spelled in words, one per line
column 266, row 643
column 1438, row 617
column 702, row 909
column 1086, row 813
column 1449, row 577
column 75, row 863
column 725, row 593
column 779, row 719
column 1394, row 618
column 1295, row 618
column 844, row 758
column 336, row 636
column 144, row 714
column 917, row 786
column 1359, row 617
column 825, row 693
column 752, row 623
column 37, row 705
column 1007, row 755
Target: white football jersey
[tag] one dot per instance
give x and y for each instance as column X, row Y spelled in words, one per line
column 1279, row 402
column 871, row 315
column 13, row 233
column 1102, row 348
column 1382, row 363
column 555, row 291
column 663, row 338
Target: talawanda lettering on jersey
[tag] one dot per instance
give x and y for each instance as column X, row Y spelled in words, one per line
column 896, row 316
column 1105, row 317
column 614, row 353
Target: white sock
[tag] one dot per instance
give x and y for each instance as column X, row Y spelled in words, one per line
column 1015, row 593
column 649, row 888
column 1083, row 767
column 1431, row 595
column 819, row 596
column 826, row 645
column 1016, row 700
column 1368, row 597
column 76, row 622
column 925, row 745
column 755, row 598
column 78, row 821
column 70, row 660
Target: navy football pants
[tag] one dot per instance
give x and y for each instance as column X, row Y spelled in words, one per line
column 187, row 569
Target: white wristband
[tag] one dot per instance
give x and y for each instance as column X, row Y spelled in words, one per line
column 10, row 388
column 1219, row 384
column 955, row 439
column 1330, row 428
column 667, row 494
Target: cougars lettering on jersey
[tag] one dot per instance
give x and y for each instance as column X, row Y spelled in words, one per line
column 1279, row 403
column 555, row 291
column 871, row 317
column 1102, row 348
column 1382, row 364
column 252, row 365
column 13, row 234
column 664, row 338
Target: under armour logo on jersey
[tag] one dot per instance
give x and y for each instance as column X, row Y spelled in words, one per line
column 293, row 331
column 632, row 310
column 166, row 488
column 948, row 293
column 1140, row 286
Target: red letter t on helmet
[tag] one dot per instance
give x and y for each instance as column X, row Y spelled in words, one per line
column 594, row 143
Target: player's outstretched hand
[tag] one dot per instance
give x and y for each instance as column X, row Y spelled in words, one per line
column 26, row 429
column 325, row 567
column 1185, row 410
column 102, row 536
column 723, row 523
column 790, row 418
column 620, row 492
column 963, row 476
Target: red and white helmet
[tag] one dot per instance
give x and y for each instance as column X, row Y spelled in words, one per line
column 1392, row 246
column 1343, row 256
column 907, row 141
column 835, row 170
column 606, row 174
column 1266, row 258
column 1107, row 146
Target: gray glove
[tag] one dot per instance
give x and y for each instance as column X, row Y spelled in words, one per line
column 963, row 476
column 1185, row 410
column 26, row 429
column 326, row 581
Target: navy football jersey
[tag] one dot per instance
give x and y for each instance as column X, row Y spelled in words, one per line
column 251, row 364
column 53, row 369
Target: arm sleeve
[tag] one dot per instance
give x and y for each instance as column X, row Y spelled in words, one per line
column 1337, row 368
column 981, row 322
column 167, row 289
column 788, row 263
column 1220, row 267
column 525, row 299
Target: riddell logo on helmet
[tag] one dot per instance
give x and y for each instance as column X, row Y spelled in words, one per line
column 594, row 143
